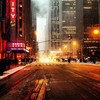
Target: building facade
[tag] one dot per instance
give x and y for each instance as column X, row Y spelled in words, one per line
column 35, row 45
column 91, row 19
column 63, row 25
column 55, row 35
column 16, row 37
column 3, row 35
column 68, row 28
column 71, row 20
column 20, row 28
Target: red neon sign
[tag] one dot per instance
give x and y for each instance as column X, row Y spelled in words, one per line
column 12, row 9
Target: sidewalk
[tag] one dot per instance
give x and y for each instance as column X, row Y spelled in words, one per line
column 90, row 63
column 13, row 69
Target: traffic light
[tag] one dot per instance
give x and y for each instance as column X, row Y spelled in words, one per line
column 69, row 37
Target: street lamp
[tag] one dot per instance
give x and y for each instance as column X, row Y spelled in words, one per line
column 35, row 48
column 59, row 49
column 65, row 47
column 96, row 31
column 96, row 34
column 74, row 49
column 74, row 43
column 25, row 50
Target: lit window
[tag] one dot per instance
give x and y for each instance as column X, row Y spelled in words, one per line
column 20, row 5
column 20, row 17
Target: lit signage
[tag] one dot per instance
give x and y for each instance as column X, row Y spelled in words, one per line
column 13, row 45
column 12, row 9
column 16, row 46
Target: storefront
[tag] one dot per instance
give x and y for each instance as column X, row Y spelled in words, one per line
column 17, row 50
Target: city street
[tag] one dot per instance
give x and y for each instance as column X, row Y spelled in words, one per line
column 53, row 81
column 49, row 49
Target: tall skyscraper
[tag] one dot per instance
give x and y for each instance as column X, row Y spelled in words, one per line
column 68, row 27
column 63, row 24
column 55, row 34
column 71, row 21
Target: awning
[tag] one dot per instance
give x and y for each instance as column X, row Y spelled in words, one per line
column 18, row 50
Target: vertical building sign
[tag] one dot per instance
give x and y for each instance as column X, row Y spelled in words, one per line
column 12, row 10
column 13, row 20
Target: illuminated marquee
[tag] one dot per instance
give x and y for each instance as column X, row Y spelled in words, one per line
column 13, row 45
column 16, row 46
column 12, row 10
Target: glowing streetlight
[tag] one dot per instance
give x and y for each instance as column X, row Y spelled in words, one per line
column 96, row 34
column 65, row 47
column 74, row 48
column 96, row 31
column 59, row 49
column 74, row 43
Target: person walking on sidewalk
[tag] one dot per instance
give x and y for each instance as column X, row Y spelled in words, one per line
column 1, row 68
column 2, row 65
column 8, row 60
column 69, row 59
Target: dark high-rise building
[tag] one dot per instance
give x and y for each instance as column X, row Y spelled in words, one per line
column 35, row 45
column 30, row 27
column 91, row 18
column 99, row 10
column 3, row 34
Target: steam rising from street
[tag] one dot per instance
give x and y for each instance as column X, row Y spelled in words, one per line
column 41, row 9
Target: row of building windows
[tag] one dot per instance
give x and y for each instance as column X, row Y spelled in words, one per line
column 55, row 3
column 55, row 45
column 55, row 31
column 91, row 41
column 55, row 37
column 68, row 3
column 69, row 11
column 20, row 19
column 55, row 12
column 93, row 47
column 68, row 0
